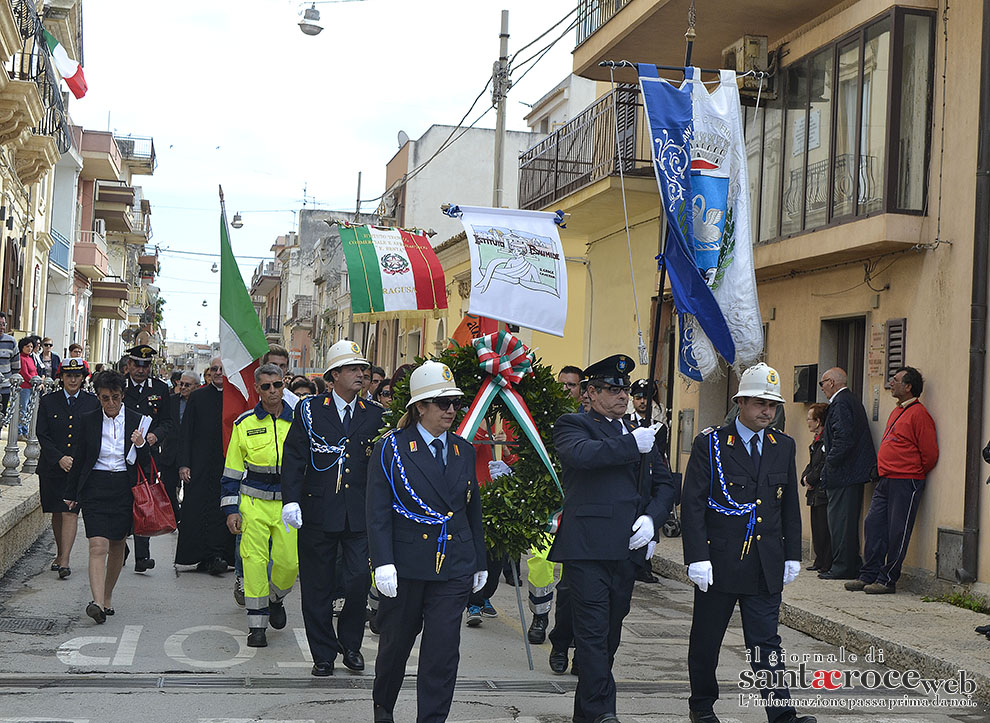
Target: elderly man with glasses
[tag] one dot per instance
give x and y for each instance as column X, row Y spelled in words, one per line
column 204, row 539
column 617, row 492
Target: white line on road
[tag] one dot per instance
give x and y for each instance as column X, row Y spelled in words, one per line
column 174, row 642
column 70, row 653
column 128, row 645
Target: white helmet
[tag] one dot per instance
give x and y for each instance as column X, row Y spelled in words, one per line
column 344, row 353
column 431, row 380
column 760, row 381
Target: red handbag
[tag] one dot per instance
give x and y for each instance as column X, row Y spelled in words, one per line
column 152, row 508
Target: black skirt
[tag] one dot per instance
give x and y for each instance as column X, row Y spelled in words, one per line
column 51, row 486
column 108, row 505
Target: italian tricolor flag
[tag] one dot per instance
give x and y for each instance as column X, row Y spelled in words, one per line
column 242, row 340
column 69, row 69
column 392, row 272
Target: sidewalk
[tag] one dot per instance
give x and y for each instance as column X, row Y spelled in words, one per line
column 937, row 639
column 21, row 518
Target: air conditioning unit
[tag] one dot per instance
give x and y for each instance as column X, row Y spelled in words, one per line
column 746, row 54
column 100, row 227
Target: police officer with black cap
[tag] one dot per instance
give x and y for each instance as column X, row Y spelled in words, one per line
column 58, row 435
column 617, row 492
column 742, row 542
column 148, row 396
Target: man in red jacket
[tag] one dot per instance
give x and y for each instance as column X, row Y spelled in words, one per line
column 908, row 451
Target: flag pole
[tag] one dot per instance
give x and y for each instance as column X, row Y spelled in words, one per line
column 689, row 36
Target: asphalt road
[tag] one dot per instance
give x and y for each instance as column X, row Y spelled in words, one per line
column 175, row 651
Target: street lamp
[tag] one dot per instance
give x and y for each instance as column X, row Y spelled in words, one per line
column 310, row 23
column 237, row 222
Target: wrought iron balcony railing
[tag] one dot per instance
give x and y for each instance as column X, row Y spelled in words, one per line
column 584, row 150
column 33, row 62
column 592, row 14
column 59, row 252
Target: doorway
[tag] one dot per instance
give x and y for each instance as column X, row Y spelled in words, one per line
column 843, row 344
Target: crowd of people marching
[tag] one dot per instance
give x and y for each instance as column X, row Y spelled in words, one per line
column 387, row 529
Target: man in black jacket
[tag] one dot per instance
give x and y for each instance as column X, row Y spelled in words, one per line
column 850, row 457
column 204, row 539
column 742, row 541
column 324, row 479
column 612, row 508
column 147, row 396
column 185, row 383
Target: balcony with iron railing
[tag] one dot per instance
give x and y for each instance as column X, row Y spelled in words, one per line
column 58, row 254
column 585, row 151
column 869, row 196
column 90, row 255
column 139, row 152
column 273, row 325
column 265, row 278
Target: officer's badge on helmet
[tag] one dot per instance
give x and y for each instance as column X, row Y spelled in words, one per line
column 344, row 353
column 760, row 381
column 431, row 380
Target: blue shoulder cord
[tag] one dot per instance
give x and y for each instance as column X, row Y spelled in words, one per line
column 318, row 443
column 432, row 517
column 736, row 508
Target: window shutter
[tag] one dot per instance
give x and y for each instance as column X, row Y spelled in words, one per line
column 896, row 335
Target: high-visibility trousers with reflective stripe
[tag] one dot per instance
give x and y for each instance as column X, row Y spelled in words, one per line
column 261, row 521
column 541, row 579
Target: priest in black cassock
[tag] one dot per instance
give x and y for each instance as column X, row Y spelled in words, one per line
column 204, row 539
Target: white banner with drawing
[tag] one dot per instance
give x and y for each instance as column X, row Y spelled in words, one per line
column 518, row 271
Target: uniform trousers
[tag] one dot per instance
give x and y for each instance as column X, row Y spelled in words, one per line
column 562, row 635
column 844, row 506
column 540, row 574
column 436, row 609
column 261, row 524
column 317, row 575
column 887, row 528
column 601, row 592
column 709, row 620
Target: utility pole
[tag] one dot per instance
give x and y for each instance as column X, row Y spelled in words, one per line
column 500, row 88
column 357, row 207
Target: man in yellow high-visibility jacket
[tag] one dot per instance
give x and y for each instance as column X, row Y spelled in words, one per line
column 251, row 497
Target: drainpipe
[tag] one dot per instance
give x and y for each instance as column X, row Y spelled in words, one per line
column 978, row 323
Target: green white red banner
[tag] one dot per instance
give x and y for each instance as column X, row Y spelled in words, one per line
column 393, row 272
column 69, row 69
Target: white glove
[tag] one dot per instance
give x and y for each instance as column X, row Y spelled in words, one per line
column 700, row 573
column 498, row 468
column 646, row 437
column 642, row 532
column 387, row 580
column 651, row 547
column 291, row 516
column 480, row 578
column 791, row 570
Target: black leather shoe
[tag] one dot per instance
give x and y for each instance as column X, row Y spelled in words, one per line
column 646, row 575
column 144, row 565
column 793, row 717
column 353, row 660
column 257, row 639
column 829, row 575
column 382, row 715
column 538, row 629
column 983, row 629
column 707, row 716
column 96, row 612
column 217, row 566
column 607, row 718
column 812, row 567
column 322, row 669
column 558, row 661
column 64, row 572
column 276, row 615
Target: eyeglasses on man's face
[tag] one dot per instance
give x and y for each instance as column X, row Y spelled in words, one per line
column 268, row 385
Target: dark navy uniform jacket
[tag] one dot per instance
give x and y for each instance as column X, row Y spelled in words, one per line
column 322, row 506
column 90, row 444
column 601, row 468
column 849, row 452
column 152, row 401
column 412, row 546
column 711, row 535
column 59, row 429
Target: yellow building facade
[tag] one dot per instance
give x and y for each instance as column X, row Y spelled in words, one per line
column 864, row 204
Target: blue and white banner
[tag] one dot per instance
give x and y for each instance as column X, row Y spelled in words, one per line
column 669, row 116
column 720, row 210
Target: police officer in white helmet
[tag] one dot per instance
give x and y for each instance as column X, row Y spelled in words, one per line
column 741, row 523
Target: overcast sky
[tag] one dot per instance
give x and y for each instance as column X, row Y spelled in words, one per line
column 235, row 94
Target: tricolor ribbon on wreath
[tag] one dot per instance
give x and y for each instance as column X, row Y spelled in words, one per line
column 506, row 360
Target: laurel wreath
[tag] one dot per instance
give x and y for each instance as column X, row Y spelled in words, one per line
column 515, row 507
